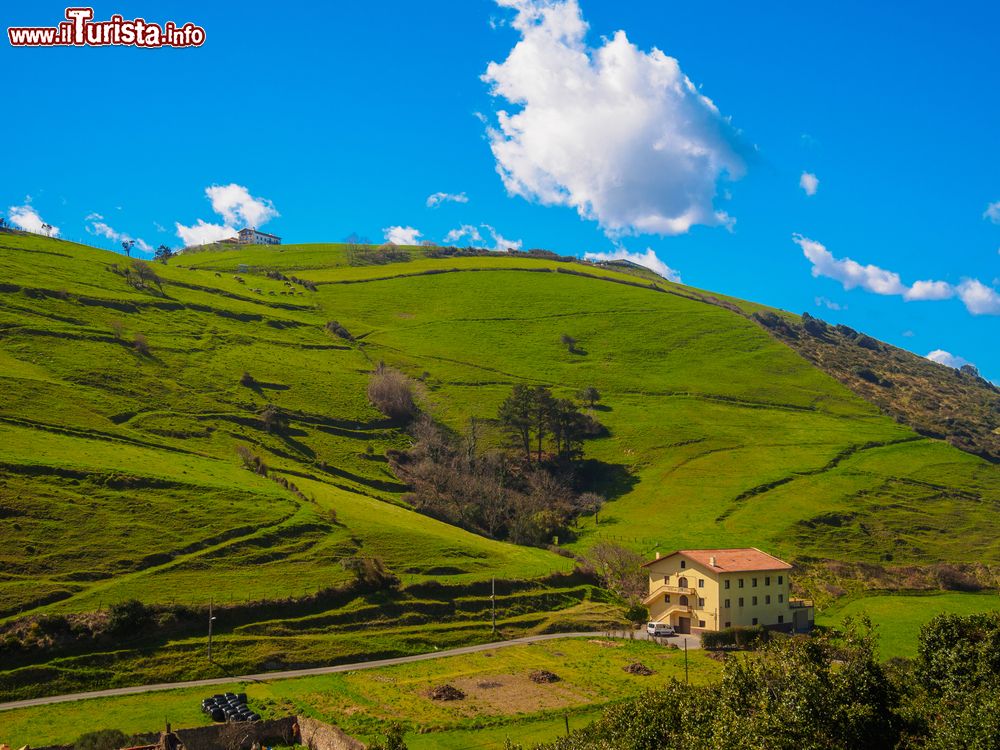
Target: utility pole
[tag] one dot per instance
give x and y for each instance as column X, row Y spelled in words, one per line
column 211, row 619
column 685, row 661
column 493, row 602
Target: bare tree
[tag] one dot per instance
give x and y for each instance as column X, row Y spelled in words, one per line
column 127, row 246
column 391, row 393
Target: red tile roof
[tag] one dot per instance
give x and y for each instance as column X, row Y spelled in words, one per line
column 730, row 560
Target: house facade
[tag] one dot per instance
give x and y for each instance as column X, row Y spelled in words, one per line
column 251, row 236
column 714, row 589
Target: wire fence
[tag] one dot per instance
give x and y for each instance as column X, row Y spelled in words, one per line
column 97, row 242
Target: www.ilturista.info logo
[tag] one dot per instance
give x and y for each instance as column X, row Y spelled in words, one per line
column 80, row 30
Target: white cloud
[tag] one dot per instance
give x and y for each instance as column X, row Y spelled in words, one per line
column 848, row 272
column 101, row 229
column 621, row 135
column 908, row 334
column 809, row 183
column 929, row 290
column 203, row 233
column 236, row 206
column 947, row 358
column 501, row 243
column 978, row 298
column 159, row 227
column 93, row 216
column 829, row 304
column 27, row 218
column 435, row 200
column 402, row 235
column 466, row 230
column 474, row 236
column 992, row 212
column 647, row 259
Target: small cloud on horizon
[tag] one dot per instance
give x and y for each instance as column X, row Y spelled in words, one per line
column 992, row 212
column 28, row 219
column 236, row 206
column 978, row 298
column 648, row 259
column 398, row 235
column 947, row 358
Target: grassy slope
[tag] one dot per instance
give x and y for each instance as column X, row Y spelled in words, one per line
column 361, row 702
column 719, row 435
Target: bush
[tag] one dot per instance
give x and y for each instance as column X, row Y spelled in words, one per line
column 334, row 327
column 391, row 393
column 140, row 343
column 103, row 739
column 740, row 637
column 273, row 419
column 247, row 380
column 128, row 617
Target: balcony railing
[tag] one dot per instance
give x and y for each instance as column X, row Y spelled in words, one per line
column 796, row 603
column 675, row 590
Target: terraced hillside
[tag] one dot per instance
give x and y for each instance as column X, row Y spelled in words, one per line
column 122, row 406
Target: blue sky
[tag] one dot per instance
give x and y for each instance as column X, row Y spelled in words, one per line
column 347, row 118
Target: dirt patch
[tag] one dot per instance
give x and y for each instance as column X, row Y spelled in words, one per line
column 518, row 694
column 543, row 676
column 445, row 693
column 638, row 668
column 606, row 644
column 488, row 684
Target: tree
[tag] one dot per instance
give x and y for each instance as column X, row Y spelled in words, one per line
column 619, row 569
column 273, row 419
column 127, row 246
column 117, row 326
column 591, row 502
column 145, row 274
column 391, row 393
column 569, row 342
column 47, row 229
column 542, row 408
column 163, row 253
column 589, row 395
column 515, row 417
column 568, row 427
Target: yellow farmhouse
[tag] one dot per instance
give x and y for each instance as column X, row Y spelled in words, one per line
column 713, row 589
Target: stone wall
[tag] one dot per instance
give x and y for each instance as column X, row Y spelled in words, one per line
column 318, row 735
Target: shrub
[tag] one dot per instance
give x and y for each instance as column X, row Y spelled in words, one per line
column 391, row 393
column 247, row 380
column 337, row 329
column 273, row 419
column 251, row 460
column 569, row 342
column 141, row 344
column 128, row 617
column 739, row 637
column 103, row 739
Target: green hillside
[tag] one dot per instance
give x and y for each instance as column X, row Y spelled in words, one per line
column 119, row 476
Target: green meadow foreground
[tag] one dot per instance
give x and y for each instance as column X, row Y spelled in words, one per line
column 124, row 400
column 500, row 700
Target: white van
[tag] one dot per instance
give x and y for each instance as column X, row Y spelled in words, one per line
column 661, row 629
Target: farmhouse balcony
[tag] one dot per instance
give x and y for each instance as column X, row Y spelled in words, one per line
column 662, row 590
column 796, row 603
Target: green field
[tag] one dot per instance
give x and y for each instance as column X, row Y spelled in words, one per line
column 899, row 618
column 119, row 476
column 500, row 699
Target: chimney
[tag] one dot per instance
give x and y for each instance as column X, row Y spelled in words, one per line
column 711, row 561
column 657, row 555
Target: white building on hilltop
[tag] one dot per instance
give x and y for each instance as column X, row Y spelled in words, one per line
column 251, row 236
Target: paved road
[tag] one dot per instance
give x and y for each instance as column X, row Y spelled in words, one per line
column 693, row 643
